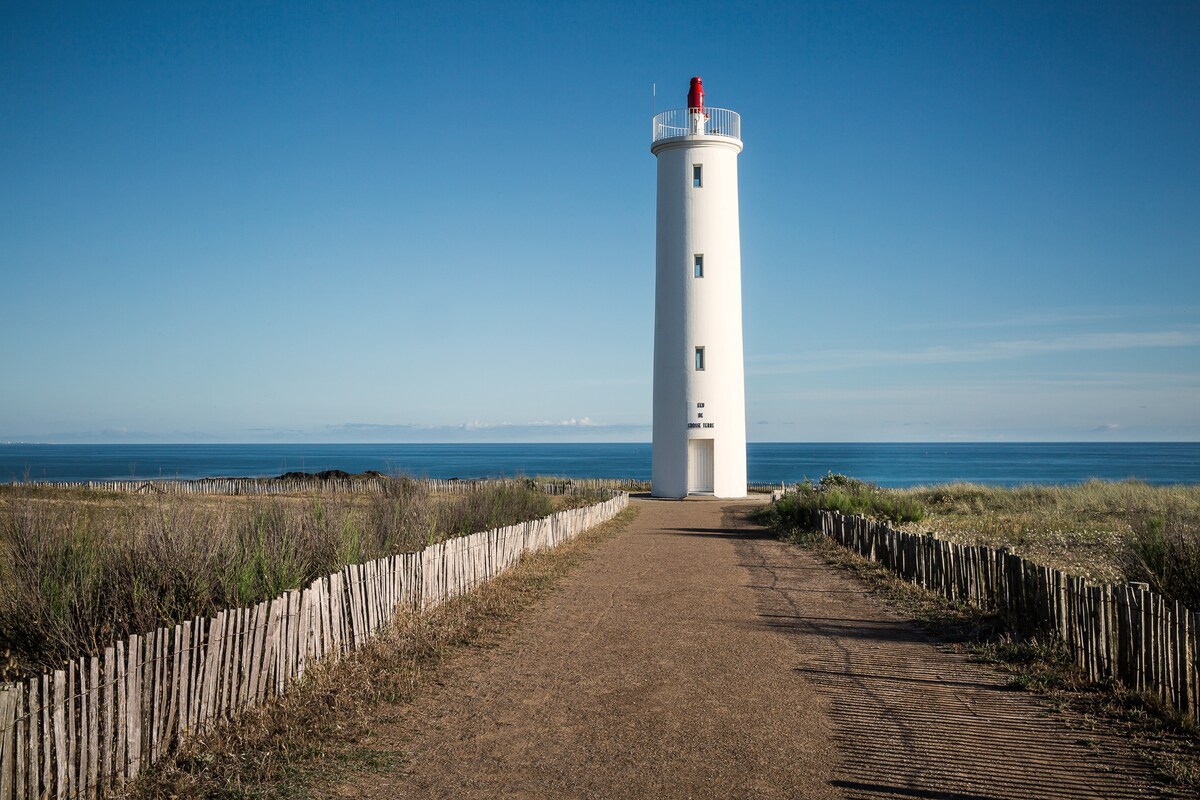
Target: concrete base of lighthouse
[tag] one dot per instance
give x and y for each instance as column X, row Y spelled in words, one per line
column 689, row 466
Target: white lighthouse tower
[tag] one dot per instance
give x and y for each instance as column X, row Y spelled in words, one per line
column 699, row 382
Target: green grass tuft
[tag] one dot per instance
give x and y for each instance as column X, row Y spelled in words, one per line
column 799, row 509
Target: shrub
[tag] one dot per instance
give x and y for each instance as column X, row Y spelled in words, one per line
column 799, row 509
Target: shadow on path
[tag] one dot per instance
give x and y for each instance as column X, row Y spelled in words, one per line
column 912, row 720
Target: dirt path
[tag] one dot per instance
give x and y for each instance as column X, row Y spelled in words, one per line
column 696, row 657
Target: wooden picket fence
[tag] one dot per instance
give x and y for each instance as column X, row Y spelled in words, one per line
column 363, row 485
column 82, row 730
column 231, row 486
column 1126, row 633
column 264, row 486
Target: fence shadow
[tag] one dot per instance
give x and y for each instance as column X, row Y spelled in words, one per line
column 913, row 720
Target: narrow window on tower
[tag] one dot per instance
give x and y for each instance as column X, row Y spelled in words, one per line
column 699, row 359
column 697, row 180
column 698, row 268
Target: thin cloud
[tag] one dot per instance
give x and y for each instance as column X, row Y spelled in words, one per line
column 582, row 422
column 1047, row 319
column 988, row 351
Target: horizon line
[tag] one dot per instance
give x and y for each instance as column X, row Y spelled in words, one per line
column 11, row 443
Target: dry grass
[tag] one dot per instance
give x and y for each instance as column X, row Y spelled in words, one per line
column 313, row 735
column 1107, row 532
column 1092, row 529
column 80, row 569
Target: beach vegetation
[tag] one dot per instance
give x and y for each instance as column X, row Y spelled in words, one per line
column 799, row 509
column 1165, row 552
column 1106, row 531
column 80, row 569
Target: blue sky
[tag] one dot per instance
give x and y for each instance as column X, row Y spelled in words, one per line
column 418, row 222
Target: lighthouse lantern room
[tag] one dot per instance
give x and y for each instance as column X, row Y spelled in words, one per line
column 699, row 383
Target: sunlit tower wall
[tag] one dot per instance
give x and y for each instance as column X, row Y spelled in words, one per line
column 699, row 378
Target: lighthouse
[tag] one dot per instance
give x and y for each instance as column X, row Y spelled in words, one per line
column 699, row 382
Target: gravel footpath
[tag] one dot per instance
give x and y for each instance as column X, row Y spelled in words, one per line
column 694, row 656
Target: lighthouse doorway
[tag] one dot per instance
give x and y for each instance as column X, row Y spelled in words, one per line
column 700, row 466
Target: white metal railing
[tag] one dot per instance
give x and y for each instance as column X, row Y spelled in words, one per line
column 693, row 122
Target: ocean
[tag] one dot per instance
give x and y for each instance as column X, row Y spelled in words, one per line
column 886, row 464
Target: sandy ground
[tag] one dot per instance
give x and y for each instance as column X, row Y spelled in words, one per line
column 695, row 656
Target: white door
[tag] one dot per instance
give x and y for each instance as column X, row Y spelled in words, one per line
column 700, row 465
